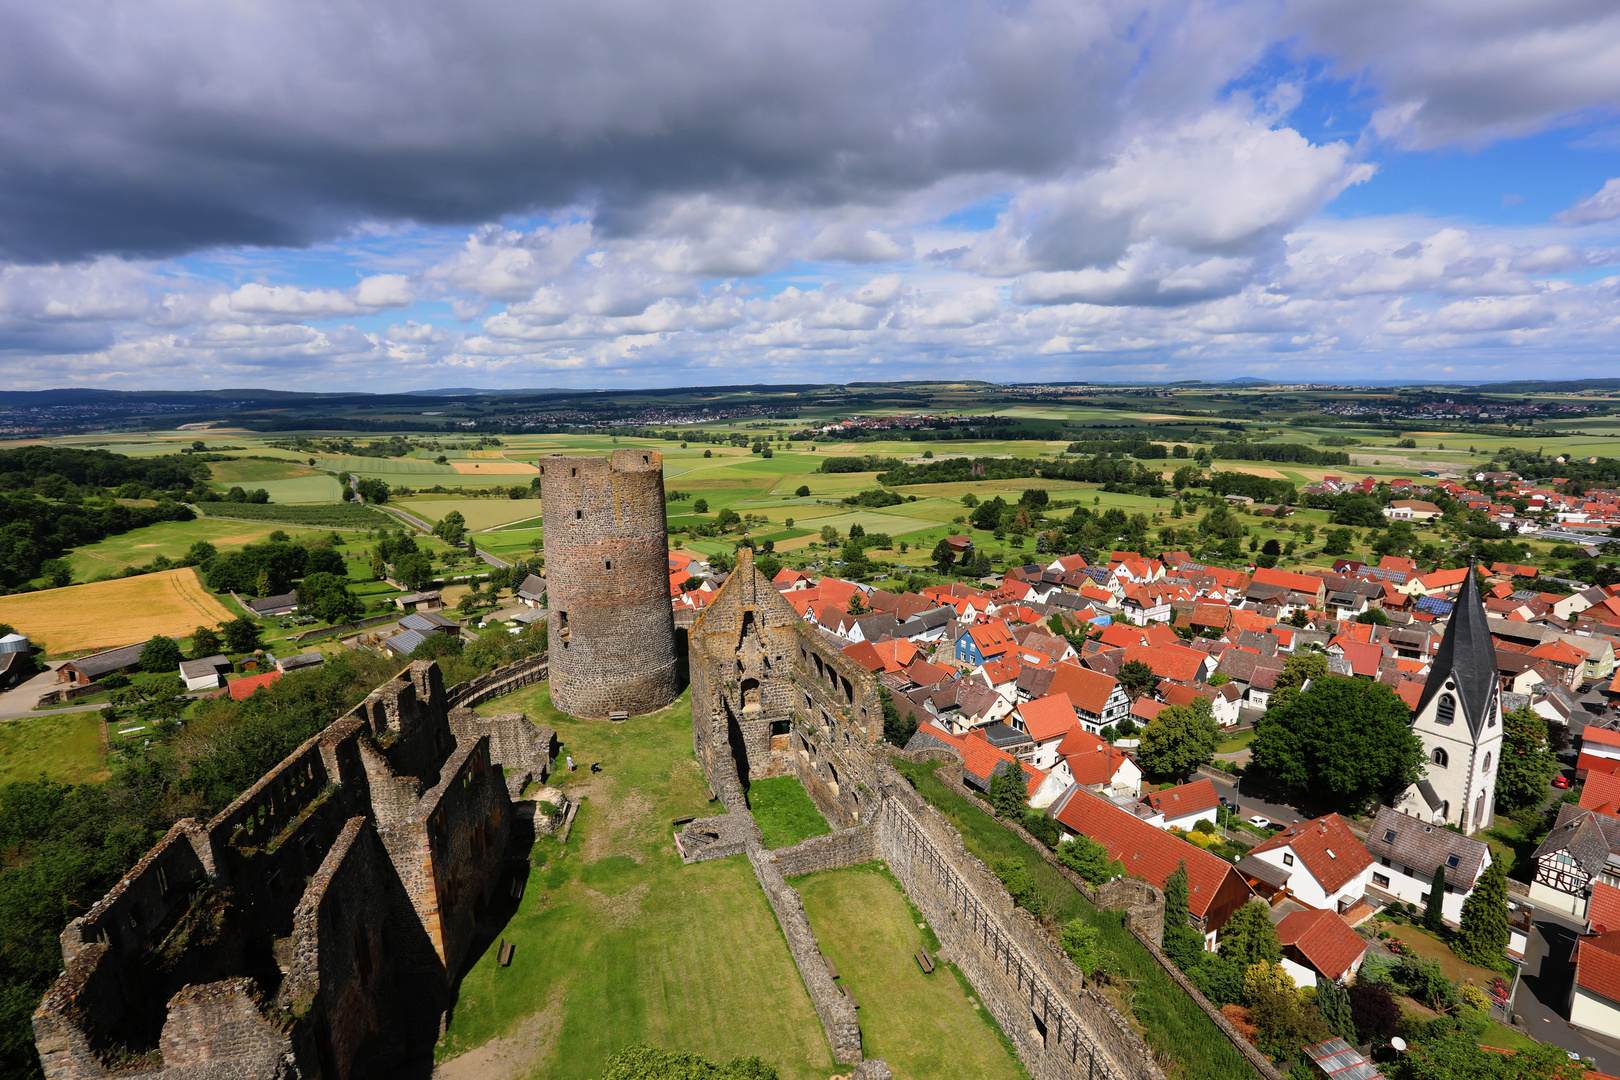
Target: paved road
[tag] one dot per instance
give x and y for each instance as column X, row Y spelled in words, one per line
column 1252, row 804
column 1543, row 995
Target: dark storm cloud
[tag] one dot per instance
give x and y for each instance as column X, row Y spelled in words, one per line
column 160, row 127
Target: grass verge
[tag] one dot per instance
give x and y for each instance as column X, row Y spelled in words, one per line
column 784, row 812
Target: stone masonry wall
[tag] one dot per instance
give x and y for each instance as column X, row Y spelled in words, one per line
column 504, row 680
column 1062, row 1029
column 219, row 1027
column 610, row 626
column 846, row 847
column 836, row 1013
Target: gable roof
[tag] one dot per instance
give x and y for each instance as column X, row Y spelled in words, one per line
column 1466, row 655
column 1048, row 717
column 1168, row 661
column 1088, row 689
column 1184, row 799
column 1601, row 792
column 1091, row 761
column 242, row 689
column 1146, row 852
column 1423, row 846
column 1323, row 939
column 1603, row 910
column 1597, row 965
column 1327, row 847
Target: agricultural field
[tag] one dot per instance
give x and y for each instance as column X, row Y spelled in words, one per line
column 246, row 471
column 171, row 539
column 480, row 513
column 67, row 749
column 617, row 942
column 335, row 515
column 106, row 614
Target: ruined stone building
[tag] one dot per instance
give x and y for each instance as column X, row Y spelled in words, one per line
column 314, row 927
column 610, row 627
column 770, row 697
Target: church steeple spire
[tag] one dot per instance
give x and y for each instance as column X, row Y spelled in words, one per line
column 1467, row 658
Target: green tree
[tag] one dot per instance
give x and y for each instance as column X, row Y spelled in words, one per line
column 1182, row 943
column 1528, row 762
column 829, row 535
column 1080, row 941
column 1373, row 617
column 265, row 585
column 1337, row 542
column 1298, row 670
column 204, row 643
column 1248, row 936
column 414, row 571
column 1179, row 739
column 769, row 565
column 1089, row 859
column 161, row 654
column 452, row 528
column 645, row 1063
column 944, row 556
column 58, row 573
column 1483, row 933
column 1020, row 884
column 241, row 635
column 1009, row 792
column 803, row 491
column 897, row 729
column 701, row 506
column 1434, row 916
column 1341, row 742
column 1137, row 678
column 1333, row 1003
column 1461, row 1057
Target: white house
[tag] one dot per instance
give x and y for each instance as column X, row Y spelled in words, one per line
column 1594, row 997
column 1319, row 945
column 1408, row 850
column 1319, row 864
column 1045, row 720
column 204, row 674
column 1183, row 806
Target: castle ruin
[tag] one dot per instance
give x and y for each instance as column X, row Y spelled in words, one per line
column 610, row 627
column 316, row 925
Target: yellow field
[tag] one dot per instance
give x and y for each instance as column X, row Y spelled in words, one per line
column 484, row 468
column 106, row 614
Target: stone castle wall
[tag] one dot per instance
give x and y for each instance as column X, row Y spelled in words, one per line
column 315, row 925
column 611, row 631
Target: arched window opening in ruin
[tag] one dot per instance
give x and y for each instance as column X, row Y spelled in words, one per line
column 750, row 695
column 849, row 691
column 1445, row 711
column 646, row 459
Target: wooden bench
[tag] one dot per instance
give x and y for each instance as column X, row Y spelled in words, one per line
column 507, row 949
column 850, row 994
column 618, row 716
column 832, row 968
column 924, row 962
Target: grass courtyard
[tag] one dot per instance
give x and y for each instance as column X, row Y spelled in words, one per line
column 922, row 1025
column 618, row 943
column 784, row 812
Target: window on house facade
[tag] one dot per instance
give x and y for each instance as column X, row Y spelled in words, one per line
column 1439, row 757
column 1381, row 880
column 1288, row 860
column 1487, row 766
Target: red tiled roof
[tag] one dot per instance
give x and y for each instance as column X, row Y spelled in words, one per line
column 1146, row 852
column 1147, row 709
column 1304, row 583
column 980, row 758
column 1168, row 661
column 1592, row 764
column 1084, row 687
column 1327, row 847
column 1090, row 760
column 1363, row 657
column 1048, row 717
column 1559, row 653
column 1601, row 736
column 1602, row 793
column 1597, row 965
column 1444, row 579
column 1121, row 635
column 1603, row 910
column 1000, row 670
column 1324, row 939
column 1183, row 799
column 242, row 689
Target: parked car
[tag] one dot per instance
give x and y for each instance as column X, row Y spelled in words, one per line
column 1259, row 822
column 1560, row 782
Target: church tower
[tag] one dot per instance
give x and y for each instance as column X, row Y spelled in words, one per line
column 1459, row 719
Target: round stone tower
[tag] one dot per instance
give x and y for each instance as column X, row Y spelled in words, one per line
column 611, row 628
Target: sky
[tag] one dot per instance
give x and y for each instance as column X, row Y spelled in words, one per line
column 379, row 195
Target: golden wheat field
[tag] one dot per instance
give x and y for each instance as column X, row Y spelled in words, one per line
column 106, row 614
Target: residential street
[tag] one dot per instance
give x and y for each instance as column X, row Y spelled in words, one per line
column 1543, row 995
column 1253, row 804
